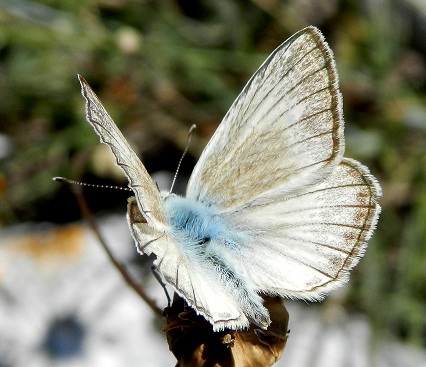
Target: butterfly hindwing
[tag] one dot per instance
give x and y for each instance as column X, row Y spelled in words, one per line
column 305, row 244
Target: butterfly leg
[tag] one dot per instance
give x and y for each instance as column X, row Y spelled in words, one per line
column 157, row 276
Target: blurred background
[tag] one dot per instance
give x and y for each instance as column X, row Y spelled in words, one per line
column 158, row 67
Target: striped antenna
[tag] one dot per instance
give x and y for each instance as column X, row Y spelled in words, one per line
column 72, row 182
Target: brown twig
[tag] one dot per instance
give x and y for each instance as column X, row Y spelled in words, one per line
column 123, row 271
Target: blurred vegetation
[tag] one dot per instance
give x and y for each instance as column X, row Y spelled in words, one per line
column 160, row 66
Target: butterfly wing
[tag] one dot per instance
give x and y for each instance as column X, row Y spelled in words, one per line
column 146, row 192
column 196, row 282
column 305, row 244
column 283, row 132
column 274, row 169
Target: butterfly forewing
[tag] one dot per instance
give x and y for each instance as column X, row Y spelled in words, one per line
column 146, row 192
column 284, row 131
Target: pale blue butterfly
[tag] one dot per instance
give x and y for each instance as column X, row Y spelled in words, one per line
column 272, row 207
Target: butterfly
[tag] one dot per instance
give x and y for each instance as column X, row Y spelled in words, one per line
column 271, row 208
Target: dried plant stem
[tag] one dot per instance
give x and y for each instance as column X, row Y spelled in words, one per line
column 123, row 271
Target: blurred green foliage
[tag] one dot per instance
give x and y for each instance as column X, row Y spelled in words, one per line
column 160, row 66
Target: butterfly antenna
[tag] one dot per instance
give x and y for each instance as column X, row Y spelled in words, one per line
column 190, row 133
column 72, row 182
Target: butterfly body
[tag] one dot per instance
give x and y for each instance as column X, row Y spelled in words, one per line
column 272, row 206
column 200, row 233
